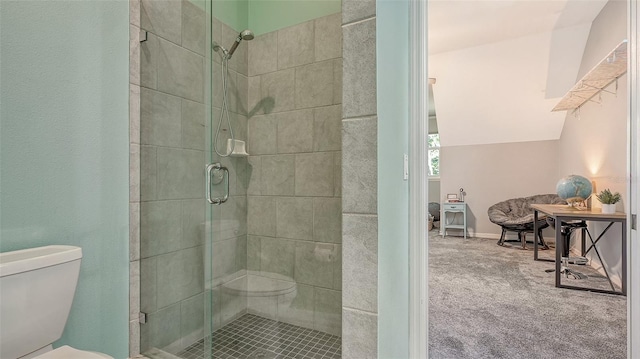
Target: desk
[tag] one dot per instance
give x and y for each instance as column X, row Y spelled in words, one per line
column 563, row 213
column 454, row 207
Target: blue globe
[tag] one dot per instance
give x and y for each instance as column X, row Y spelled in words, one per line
column 574, row 188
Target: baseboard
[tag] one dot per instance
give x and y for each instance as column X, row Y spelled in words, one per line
column 471, row 234
column 511, row 236
column 485, row 235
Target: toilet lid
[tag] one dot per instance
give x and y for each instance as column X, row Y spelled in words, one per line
column 67, row 352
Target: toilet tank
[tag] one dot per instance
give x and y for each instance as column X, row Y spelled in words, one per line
column 37, row 286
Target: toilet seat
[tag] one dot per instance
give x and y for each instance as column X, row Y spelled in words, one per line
column 67, row 352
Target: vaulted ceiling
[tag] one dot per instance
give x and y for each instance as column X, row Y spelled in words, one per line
column 500, row 66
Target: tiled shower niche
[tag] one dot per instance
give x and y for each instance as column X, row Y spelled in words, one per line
column 281, row 226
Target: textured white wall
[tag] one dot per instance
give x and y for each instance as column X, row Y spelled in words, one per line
column 493, row 173
column 595, row 145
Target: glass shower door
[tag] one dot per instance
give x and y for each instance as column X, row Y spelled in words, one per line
column 175, row 105
column 226, row 188
column 209, row 210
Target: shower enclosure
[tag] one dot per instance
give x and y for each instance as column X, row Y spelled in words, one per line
column 239, row 184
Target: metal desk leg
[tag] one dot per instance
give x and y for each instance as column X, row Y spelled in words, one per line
column 535, row 235
column 595, row 249
column 584, row 241
column 624, row 256
column 558, row 250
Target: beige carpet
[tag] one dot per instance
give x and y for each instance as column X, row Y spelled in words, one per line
column 487, row 301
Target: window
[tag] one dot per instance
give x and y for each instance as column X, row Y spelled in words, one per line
column 434, row 155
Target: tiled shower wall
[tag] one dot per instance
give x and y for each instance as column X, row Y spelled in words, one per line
column 294, row 190
column 360, row 184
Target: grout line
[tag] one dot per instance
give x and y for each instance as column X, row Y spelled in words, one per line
column 360, row 214
column 360, row 311
column 172, row 95
column 372, row 17
column 176, row 44
column 360, row 118
column 171, row 147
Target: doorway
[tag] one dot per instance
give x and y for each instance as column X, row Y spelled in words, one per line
column 631, row 207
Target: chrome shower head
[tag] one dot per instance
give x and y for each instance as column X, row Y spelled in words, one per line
column 244, row 35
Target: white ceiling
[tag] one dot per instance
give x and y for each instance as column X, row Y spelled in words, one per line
column 455, row 25
column 501, row 66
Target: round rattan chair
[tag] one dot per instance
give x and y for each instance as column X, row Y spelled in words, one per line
column 516, row 215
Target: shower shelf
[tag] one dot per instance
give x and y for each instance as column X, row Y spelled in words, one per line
column 239, row 150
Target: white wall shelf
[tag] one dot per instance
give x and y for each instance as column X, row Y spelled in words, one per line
column 595, row 81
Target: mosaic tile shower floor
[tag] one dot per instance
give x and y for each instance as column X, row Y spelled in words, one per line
column 254, row 337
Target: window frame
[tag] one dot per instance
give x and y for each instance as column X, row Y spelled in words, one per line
column 429, row 149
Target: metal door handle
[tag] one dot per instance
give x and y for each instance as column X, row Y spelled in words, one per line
column 216, row 166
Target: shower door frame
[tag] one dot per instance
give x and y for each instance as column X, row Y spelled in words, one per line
column 419, row 272
column 633, row 255
column 209, row 208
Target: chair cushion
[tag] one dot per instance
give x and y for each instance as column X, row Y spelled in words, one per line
column 517, row 211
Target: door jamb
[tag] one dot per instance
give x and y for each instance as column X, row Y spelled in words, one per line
column 418, row 181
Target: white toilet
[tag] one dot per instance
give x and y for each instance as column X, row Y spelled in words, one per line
column 37, row 286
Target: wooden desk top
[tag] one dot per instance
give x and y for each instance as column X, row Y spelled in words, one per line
column 565, row 210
